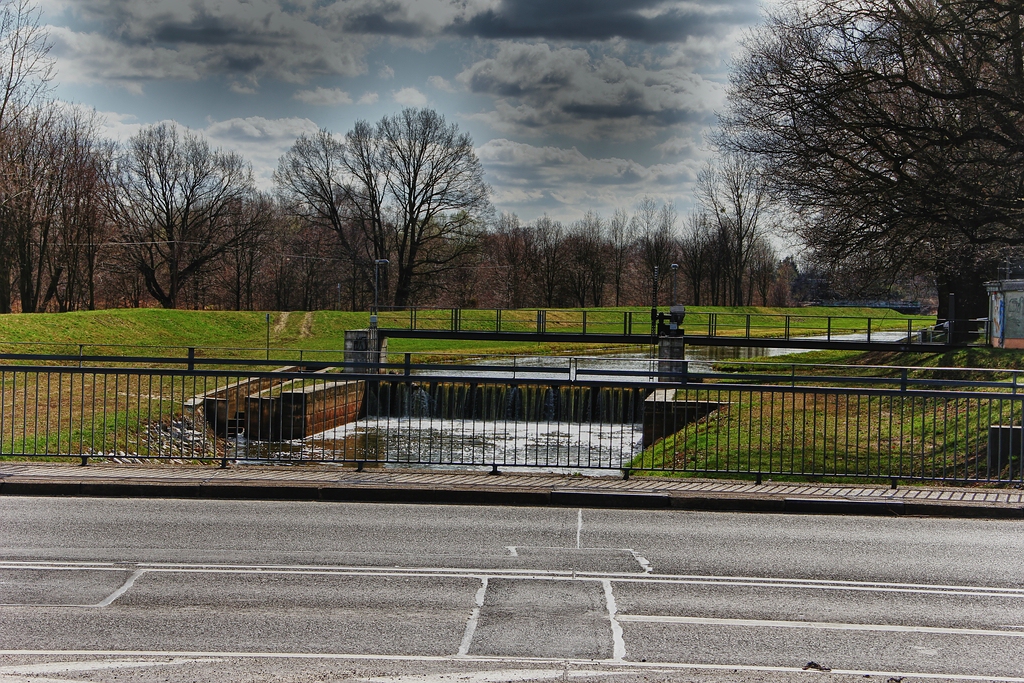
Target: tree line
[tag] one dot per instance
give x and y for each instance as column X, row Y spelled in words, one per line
column 166, row 219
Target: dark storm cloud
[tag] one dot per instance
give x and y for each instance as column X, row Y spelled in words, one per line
column 130, row 41
column 204, row 30
column 650, row 21
column 587, row 95
column 379, row 24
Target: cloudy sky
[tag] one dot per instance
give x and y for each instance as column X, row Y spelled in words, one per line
column 574, row 105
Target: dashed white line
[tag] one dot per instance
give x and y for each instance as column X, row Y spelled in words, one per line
column 512, row 550
column 618, row 644
column 474, row 618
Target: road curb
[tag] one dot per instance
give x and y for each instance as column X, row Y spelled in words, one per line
column 518, row 496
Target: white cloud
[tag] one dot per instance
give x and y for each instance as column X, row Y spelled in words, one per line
column 118, row 127
column 130, row 42
column 368, row 98
column 409, row 97
column 441, row 84
column 324, row 96
column 386, row 73
column 678, row 146
column 565, row 182
column 261, row 141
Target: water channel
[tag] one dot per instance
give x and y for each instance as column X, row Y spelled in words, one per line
column 514, row 419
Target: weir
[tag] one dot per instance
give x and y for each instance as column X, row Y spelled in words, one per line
column 507, row 401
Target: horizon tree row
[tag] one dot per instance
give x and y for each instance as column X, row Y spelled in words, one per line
column 166, row 219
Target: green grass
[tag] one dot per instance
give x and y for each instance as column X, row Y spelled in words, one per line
column 227, row 333
column 822, row 434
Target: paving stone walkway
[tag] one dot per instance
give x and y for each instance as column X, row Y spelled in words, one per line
column 335, row 483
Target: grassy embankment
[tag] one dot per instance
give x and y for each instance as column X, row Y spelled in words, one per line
column 78, row 412
column 835, row 435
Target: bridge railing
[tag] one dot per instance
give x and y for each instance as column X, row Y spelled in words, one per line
column 909, row 424
column 638, row 322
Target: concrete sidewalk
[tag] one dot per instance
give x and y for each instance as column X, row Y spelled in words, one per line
column 310, row 482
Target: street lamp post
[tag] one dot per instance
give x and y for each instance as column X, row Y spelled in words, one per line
column 675, row 270
column 376, row 286
column 654, row 303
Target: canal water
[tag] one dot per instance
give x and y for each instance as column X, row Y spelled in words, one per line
column 520, row 422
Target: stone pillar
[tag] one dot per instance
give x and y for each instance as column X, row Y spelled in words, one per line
column 671, row 358
column 364, row 346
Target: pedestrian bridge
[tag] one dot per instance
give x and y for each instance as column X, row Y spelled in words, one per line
column 888, row 331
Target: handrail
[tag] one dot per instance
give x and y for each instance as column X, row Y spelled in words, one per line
column 1007, row 380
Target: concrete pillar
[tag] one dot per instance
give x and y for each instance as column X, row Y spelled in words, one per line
column 364, row 346
column 671, row 357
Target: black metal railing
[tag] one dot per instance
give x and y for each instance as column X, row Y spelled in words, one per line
column 930, row 424
column 640, row 322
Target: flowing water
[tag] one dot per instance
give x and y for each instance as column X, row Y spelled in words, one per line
column 514, row 419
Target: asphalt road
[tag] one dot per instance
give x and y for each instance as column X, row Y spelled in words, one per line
column 178, row 590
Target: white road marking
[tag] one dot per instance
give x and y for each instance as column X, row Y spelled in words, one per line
column 512, row 551
column 611, row 663
column 60, row 667
column 30, row 673
column 496, row 676
column 817, row 625
column 474, row 618
column 618, row 644
column 644, row 564
column 579, row 527
column 122, row 590
column 555, row 575
column 106, row 602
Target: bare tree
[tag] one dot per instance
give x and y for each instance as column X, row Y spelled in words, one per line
column 894, row 128
column 313, row 181
column 622, row 243
column 177, row 203
column 515, row 259
column 416, row 185
column 26, row 67
column 734, row 193
column 241, row 265
column 586, row 269
column 409, row 189
column 656, row 239
column 696, row 258
column 550, row 239
column 764, row 266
